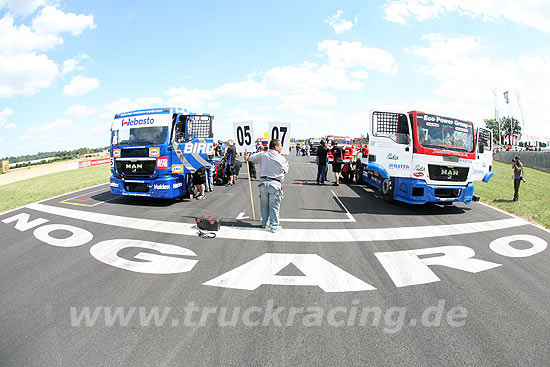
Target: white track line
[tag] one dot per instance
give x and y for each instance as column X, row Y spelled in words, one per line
column 287, row 235
column 350, row 219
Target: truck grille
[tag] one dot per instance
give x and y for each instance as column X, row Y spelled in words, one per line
column 134, row 152
column 140, row 167
column 137, row 187
column 447, row 193
column 445, row 173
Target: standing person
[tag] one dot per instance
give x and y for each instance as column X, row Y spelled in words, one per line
column 237, row 168
column 321, row 163
column 210, row 168
column 273, row 167
column 337, row 156
column 297, row 149
column 199, row 180
column 230, row 154
column 218, row 149
column 518, row 175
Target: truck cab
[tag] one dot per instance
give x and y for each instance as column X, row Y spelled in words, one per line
column 261, row 144
column 154, row 152
column 345, row 143
column 416, row 157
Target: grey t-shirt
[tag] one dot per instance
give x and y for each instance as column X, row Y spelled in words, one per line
column 518, row 174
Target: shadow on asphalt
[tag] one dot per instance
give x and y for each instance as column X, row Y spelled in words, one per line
column 133, row 200
column 229, row 222
column 372, row 203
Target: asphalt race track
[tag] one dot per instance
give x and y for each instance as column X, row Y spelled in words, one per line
column 90, row 279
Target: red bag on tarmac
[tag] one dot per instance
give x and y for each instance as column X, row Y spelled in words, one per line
column 208, row 223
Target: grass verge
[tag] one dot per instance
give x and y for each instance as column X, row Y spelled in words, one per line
column 33, row 189
column 534, row 196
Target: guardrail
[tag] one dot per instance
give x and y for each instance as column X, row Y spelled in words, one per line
column 538, row 160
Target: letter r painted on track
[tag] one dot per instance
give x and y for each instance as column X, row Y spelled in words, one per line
column 407, row 268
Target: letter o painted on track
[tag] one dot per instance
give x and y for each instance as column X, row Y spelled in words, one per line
column 502, row 245
column 77, row 238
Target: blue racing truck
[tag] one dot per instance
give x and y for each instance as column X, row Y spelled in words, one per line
column 154, row 152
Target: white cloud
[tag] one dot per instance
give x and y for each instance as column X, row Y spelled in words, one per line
column 127, row 104
column 24, row 71
column 193, row 99
column 11, row 126
column 339, row 24
column 241, row 114
column 26, row 74
column 22, row 7
column 350, row 54
column 301, row 103
column 51, row 126
column 309, row 77
column 533, row 13
column 4, row 114
column 44, row 31
column 51, row 20
column 360, row 74
column 214, row 104
column 465, row 81
column 19, row 39
column 246, row 89
column 197, row 98
column 73, row 64
column 80, row 111
column 80, row 85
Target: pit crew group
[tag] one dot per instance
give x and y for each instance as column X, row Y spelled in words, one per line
column 273, row 168
column 225, row 170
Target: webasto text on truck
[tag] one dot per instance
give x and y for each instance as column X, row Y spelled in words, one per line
column 417, row 157
column 154, row 152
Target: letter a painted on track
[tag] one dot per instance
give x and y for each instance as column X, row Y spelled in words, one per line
column 317, row 271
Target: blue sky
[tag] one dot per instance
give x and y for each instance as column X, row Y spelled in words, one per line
column 66, row 67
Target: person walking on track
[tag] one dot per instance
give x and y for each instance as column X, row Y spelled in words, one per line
column 273, row 168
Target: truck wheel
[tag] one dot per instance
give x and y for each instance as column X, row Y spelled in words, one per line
column 388, row 187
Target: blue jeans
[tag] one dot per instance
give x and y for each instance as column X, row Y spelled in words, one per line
column 209, row 185
column 321, row 173
column 271, row 195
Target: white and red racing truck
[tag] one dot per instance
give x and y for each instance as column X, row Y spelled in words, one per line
column 417, row 157
column 345, row 143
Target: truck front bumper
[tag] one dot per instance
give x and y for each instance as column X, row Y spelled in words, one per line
column 165, row 187
column 415, row 191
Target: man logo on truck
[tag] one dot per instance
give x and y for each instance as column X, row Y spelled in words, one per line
column 134, row 166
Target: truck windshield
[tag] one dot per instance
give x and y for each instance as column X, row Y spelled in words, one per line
column 445, row 133
column 152, row 135
column 341, row 141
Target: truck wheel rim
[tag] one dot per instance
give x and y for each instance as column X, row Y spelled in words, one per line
column 386, row 186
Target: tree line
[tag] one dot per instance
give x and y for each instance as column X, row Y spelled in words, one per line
column 507, row 127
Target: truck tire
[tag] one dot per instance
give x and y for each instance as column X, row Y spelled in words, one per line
column 388, row 187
